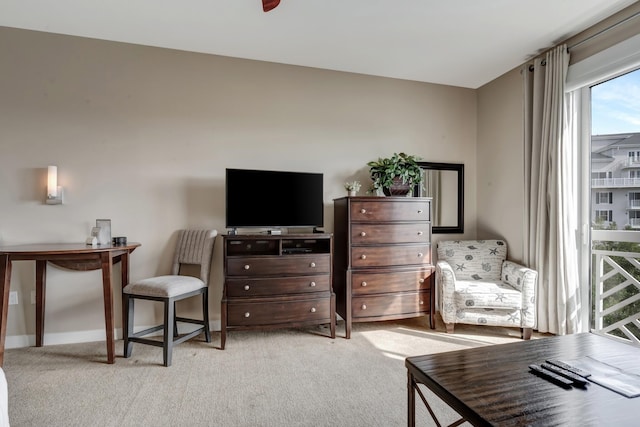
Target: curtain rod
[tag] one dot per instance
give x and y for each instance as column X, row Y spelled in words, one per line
column 599, row 33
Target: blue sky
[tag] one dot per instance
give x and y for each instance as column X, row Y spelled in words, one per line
column 615, row 105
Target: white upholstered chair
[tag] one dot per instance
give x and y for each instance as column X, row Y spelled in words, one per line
column 478, row 286
column 193, row 247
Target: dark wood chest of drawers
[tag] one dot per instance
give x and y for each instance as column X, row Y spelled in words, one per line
column 382, row 259
column 277, row 281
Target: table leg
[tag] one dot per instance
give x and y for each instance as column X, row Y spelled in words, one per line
column 411, row 401
column 124, row 274
column 107, row 290
column 41, row 289
column 5, row 278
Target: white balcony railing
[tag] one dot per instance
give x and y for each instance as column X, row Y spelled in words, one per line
column 634, row 222
column 616, row 285
column 615, row 182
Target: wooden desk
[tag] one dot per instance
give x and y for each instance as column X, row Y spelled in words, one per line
column 493, row 386
column 73, row 256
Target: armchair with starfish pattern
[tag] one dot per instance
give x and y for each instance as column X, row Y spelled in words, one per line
column 478, row 285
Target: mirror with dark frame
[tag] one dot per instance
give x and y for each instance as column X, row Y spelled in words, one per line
column 444, row 183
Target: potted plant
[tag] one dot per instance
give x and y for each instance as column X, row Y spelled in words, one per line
column 395, row 175
column 352, row 187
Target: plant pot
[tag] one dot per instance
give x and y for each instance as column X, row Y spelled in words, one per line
column 352, row 193
column 397, row 189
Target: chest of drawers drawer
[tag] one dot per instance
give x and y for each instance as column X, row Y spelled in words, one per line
column 400, row 210
column 370, row 234
column 390, row 304
column 393, row 255
column 251, row 287
column 367, row 282
column 273, row 312
column 279, row 265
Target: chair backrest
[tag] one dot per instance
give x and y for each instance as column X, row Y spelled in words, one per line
column 195, row 247
column 474, row 259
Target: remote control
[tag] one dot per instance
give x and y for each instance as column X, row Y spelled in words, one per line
column 555, row 378
column 577, row 379
column 568, row 367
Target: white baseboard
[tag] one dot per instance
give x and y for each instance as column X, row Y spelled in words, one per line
column 74, row 337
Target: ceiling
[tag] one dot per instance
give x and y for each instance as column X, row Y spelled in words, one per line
column 463, row 43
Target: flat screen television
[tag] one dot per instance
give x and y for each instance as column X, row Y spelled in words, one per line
column 273, row 199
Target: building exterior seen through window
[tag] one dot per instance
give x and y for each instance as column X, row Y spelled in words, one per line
column 615, row 180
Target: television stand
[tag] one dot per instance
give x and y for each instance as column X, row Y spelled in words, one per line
column 273, row 281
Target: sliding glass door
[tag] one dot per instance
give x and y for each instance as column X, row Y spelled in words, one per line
column 612, row 245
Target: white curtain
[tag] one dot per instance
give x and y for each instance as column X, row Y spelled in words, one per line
column 551, row 192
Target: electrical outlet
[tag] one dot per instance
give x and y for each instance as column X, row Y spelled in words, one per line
column 33, row 297
column 13, row 298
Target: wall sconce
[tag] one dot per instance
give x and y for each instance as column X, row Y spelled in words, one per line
column 54, row 192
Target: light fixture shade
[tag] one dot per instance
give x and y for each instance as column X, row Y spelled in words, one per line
column 54, row 192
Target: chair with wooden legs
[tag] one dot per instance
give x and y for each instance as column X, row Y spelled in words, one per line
column 194, row 247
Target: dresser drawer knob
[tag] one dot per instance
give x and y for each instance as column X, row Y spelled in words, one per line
column 420, row 233
column 362, row 234
column 419, row 211
column 363, row 256
column 363, row 211
column 312, row 265
column 421, row 281
column 247, row 314
column 313, row 309
column 421, row 302
column 312, row 284
column 363, row 284
column 420, row 254
column 246, row 287
column 364, row 306
column 247, row 266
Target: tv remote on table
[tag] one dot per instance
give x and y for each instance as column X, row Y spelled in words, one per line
column 555, row 378
column 577, row 379
column 567, row 367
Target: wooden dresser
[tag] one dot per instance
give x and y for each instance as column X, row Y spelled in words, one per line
column 277, row 281
column 382, row 259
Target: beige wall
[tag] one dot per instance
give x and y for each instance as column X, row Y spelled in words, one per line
column 143, row 135
column 500, row 160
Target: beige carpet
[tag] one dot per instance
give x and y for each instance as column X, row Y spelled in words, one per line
column 286, row 377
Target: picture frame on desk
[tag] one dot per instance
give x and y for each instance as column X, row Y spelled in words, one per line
column 104, row 234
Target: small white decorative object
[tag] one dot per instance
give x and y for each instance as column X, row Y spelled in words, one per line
column 104, row 233
column 92, row 240
column 352, row 187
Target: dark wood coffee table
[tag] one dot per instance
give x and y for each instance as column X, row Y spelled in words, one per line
column 492, row 385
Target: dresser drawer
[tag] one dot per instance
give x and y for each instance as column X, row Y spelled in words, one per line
column 372, row 282
column 391, row 210
column 278, row 312
column 390, row 305
column 279, row 265
column 415, row 232
column 394, row 255
column 251, row 287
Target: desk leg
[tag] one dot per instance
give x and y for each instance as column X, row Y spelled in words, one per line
column 411, row 401
column 107, row 290
column 41, row 290
column 5, row 277
column 124, row 274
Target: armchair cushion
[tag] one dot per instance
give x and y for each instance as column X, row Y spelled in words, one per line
column 485, row 294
